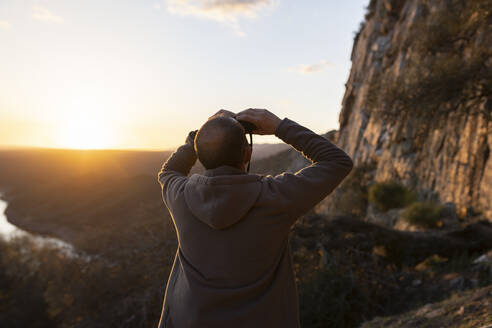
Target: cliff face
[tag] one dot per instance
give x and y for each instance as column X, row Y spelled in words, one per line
column 418, row 100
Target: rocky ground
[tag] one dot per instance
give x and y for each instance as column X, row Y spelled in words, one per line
column 471, row 308
column 364, row 280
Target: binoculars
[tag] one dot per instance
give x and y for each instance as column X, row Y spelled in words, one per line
column 249, row 128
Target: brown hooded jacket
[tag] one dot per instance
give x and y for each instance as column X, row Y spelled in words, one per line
column 233, row 265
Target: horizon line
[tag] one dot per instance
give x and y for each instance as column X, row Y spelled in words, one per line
column 136, row 149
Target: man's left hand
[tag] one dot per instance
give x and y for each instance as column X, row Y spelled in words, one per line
column 190, row 140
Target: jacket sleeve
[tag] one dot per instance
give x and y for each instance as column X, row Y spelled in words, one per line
column 301, row 191
column 174, row 171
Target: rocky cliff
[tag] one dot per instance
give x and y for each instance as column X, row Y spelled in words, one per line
column 417, row 106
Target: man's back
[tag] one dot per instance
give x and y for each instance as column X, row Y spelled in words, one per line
column 233, row 267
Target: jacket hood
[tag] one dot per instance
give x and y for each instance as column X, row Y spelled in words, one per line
column 221, row 197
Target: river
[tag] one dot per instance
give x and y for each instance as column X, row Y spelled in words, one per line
column 9, row 231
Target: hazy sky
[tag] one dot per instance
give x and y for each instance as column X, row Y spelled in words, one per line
column 129, row 73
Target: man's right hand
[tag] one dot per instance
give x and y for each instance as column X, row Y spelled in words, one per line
column 265, row 121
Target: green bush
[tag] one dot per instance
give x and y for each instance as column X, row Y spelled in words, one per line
column 390, row 194
column 423, row 214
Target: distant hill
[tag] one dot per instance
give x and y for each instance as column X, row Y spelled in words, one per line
column 287, row 160
column 261, row 151
column 22, row 168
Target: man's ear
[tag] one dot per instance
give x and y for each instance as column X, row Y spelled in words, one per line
column 247, row 154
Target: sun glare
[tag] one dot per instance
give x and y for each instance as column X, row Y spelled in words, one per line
column 84, row 132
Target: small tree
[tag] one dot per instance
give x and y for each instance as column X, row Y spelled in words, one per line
column 423, row 214
column 390, row 194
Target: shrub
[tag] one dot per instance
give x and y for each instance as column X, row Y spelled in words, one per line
column 423, row 214
column 390, row 194
column 40, row 287
column 333, row 298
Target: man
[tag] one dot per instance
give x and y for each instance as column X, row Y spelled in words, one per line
column 233, row 267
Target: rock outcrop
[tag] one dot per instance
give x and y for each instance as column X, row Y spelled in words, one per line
column 418, row 100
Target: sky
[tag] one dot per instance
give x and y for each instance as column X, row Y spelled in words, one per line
column 142, row 74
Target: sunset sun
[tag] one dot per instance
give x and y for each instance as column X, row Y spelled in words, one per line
column 84, row 132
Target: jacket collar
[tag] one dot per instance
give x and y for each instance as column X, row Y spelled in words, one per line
column 223, row 170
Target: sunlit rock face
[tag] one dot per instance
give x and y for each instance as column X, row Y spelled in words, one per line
column 418, row 100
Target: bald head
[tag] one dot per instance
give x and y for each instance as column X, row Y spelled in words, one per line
column 221, row 141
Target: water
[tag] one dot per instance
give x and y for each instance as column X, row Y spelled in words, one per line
column 9, row 231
